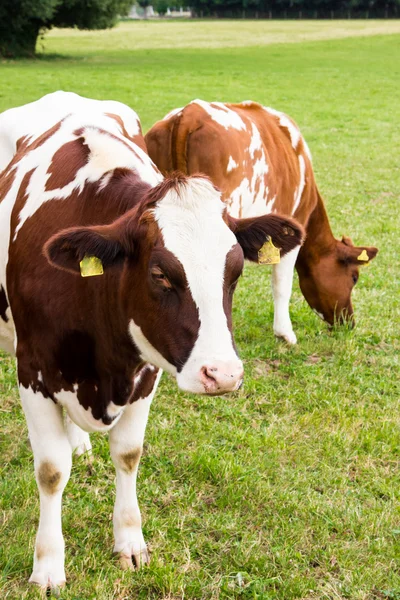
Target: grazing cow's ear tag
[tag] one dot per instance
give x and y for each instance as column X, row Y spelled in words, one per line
column 363, row 256
column 90, row 266
column 269, row 254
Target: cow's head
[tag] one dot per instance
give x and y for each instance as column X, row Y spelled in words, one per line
column 327, row 279
column 177, row 257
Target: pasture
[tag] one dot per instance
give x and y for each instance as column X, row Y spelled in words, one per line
column 290, row 488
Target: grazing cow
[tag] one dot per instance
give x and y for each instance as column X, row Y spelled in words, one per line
column 259, row 159
column 108, row 274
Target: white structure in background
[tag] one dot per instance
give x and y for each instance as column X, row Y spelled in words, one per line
column 137, row 12
column 133, row 13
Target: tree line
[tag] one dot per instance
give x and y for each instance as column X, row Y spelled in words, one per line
column 22, row 21
column 295, row 9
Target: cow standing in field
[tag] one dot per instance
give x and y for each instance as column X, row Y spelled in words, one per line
column 259, row 159
column 108, row 274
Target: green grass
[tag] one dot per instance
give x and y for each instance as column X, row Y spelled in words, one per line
column 290, row 488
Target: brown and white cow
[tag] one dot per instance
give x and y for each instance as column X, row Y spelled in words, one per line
column 79, row 193
column 259, row 159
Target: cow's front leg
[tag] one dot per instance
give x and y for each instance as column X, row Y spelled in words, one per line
column 52, row 459
column 282, row 280
column 126, row 443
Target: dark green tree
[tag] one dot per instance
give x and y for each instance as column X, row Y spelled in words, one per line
column 161, row 6
column 22, row 21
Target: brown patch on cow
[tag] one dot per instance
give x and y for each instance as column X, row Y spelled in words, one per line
column 3, row 305
column 22, row 143
column 49, row 477
column 40, row 551
column 130, row 460
column 66, row 162
column 7, row 178
column 20, row 201
column 145, row 384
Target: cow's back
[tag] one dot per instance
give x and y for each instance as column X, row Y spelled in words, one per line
column 254, row 154
column 31, row 120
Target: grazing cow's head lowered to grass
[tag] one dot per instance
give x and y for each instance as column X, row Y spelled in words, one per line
column 176, row 258
column 327, row 279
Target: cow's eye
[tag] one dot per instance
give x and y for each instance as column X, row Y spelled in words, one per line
column 355, row 278
column 160, row 278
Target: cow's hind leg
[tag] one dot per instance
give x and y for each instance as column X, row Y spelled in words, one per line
column 79, row 439
column 126, row 442
column 282, row 280
column 52, row 458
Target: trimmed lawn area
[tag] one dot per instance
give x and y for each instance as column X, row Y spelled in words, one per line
column 290, row 488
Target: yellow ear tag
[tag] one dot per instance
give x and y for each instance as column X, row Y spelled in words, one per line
column 363, row 256
column 90, row 266
column 269, row 254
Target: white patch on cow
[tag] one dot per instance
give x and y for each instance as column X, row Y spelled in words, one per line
column 173, row 113
column 106, row 153
column 127, row 439
column 299, row 191
column 193, row 230
column 221, row 114
column 231, row 165
column 250, row 198
column 79, row 415
column 113, row 410
column 255, row 142
column 147, row 352
column 52, row 451
column 282, row 280
column 284, row 121
column 240, row 197
column 249, row 103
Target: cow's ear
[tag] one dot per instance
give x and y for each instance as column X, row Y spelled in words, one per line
column 69, row 247
column 284, row 232
column 355, row 255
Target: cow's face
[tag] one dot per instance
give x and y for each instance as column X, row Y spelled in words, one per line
column 182, row 258
column 328, row 280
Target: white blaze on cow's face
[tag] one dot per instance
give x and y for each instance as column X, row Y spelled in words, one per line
column 195, row 233
column 191, row 224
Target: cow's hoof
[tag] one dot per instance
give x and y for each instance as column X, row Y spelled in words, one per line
column 135, row 561
column 49, row 588
column 288, row 336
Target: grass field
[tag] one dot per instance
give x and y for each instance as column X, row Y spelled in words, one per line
column 290, row 488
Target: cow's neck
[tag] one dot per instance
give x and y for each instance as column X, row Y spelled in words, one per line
column 319, row 237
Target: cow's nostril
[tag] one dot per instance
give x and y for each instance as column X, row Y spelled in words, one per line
column 210, row 373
